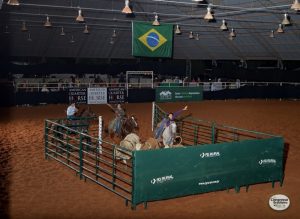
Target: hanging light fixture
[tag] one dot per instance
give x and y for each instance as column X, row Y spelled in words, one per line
column 191, row 35
column 296, row 5
column 177, row 30
column 156, row 22
column 47, row 23
column 280, row 29
column 286, row 20
column 72, row 39
column 111, row 42
column 6, row 30
column 197, row 37
column 86, row 30
column 127, row 9
column 62, row 32
column 29, row 37
column 13, row 2
column 232, row 33
column 80, row 18
column 224, row 27
column 209, row 15
column 114, row 35
column 24, row 27
column 272, row 34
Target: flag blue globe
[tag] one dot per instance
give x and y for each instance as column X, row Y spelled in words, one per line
column 152, row 39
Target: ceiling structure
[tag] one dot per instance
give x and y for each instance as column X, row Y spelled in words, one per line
column 252, row 20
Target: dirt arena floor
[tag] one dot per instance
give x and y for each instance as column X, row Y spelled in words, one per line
column 32, row 187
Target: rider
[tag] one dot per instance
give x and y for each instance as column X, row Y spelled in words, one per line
column 167, row 121
column 117, row 122
column 71, row 111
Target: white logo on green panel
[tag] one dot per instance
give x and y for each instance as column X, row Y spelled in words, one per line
column 208, row 183
column 267, row 161
column 165, row 95
column 162, row 179
column 210, row 154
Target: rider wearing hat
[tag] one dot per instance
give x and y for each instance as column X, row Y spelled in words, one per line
column 167, row 121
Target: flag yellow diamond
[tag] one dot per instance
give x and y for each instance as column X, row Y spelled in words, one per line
column 153, row 39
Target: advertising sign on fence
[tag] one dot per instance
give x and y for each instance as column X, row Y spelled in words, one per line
column 175, row 94
column 77, row 95
column 213, row 167
column 97, row 95
column 116, row 95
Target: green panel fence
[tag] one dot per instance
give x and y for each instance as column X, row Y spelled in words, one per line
column 169, row 173
column 174, row 94
column 215, row 157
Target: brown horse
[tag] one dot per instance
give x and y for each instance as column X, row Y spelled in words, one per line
column 128, row 125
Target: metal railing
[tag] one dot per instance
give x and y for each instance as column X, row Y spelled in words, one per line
column 89, row 156
column 207, row 86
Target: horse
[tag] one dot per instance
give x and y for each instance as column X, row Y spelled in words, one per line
column 169, row 137
column 128, row 125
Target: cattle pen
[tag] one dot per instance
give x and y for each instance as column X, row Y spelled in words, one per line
column 214, row 157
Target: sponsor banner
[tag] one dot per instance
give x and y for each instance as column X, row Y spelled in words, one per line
column 174, row 94
column 78, row 95
column 97, row 95
column 116, row 95
column 211, row 167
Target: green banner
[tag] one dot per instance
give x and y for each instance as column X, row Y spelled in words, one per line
column 152, row 41
column 173, row 94
column 169, row 173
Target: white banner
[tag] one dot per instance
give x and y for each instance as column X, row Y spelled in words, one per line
column 97, row 95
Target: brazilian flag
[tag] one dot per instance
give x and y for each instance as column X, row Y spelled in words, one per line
column 152, row 41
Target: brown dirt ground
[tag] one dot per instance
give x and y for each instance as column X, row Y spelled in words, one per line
column 32, row 187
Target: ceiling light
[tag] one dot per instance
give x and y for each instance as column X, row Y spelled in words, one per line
column 114, row 35
column 280, row 29
column 232, row 33
column 79, row 17
column 177, row 30
column 29, row 37
column 286, row 20
column 191, row 35
column 62, row 32
column 156, row 22
column 6, row 30
column 24, row 28
column 126, row 9
column 111, row 42
column 197, row 37
column 86, row 30
column 231, row 37
column 296, row 5
column 209, row 15
column 13, row 2
column 224, row 27
column 72, row 39
column 47, row 23
column 272, row 34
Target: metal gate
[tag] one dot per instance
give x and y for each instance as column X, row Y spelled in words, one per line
column 75, row 144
